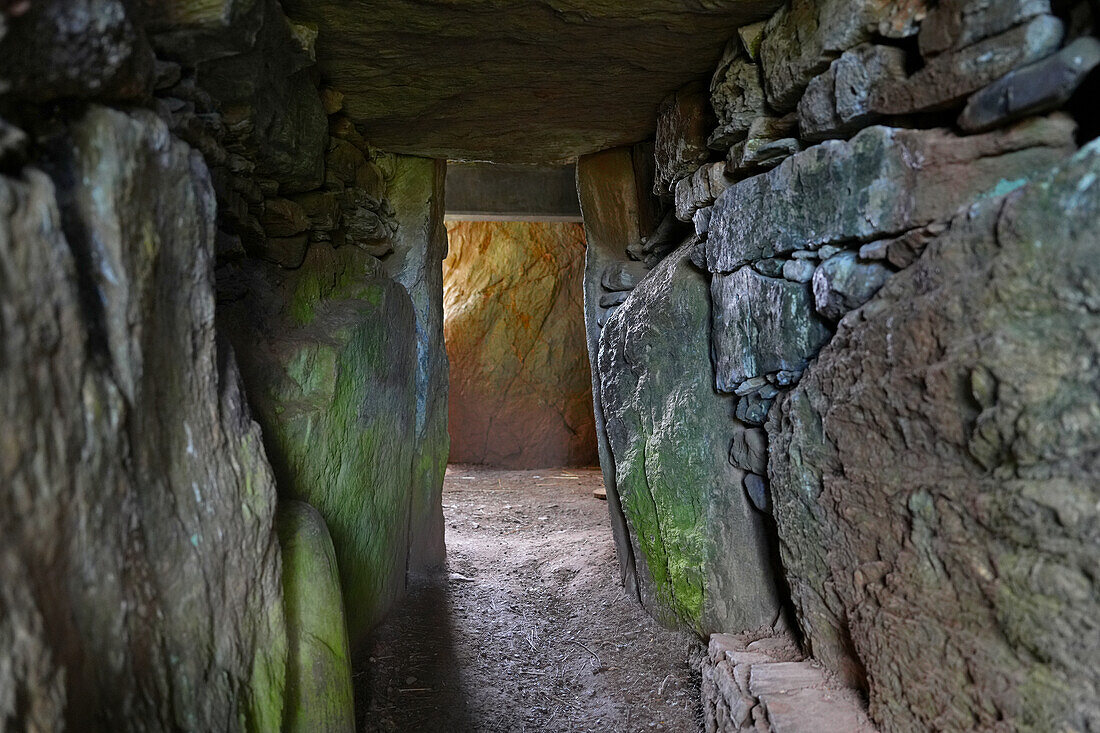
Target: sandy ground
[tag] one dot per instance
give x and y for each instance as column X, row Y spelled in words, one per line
column 529, row 630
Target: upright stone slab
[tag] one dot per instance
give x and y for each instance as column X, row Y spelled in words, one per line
column 883, row 181
column 419, row 246
column 700, row 544
column 328, row 353
column 139, row 569
column 934, row 474
column 684, row 121
column 609, row 196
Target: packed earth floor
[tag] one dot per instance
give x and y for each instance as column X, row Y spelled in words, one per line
column 529, row 628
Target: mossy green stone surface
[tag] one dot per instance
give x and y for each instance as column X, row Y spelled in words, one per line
column 319, row 695
column 328, row 353
column 700, row 547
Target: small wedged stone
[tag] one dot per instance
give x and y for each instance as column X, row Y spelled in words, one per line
column 684, row 122
column 761, row 325
column 842, row 283
column 623, row 275
column 1043, row 86
column 949, row 78
column 700, row 190
column 954, row 24
column 751, row 35
column 904, row 179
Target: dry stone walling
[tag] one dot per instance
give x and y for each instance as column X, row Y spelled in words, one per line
column 520, row 395
column 873, row 355
column 179, row 195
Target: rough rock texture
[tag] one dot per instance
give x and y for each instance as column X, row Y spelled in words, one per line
column 899, row 179
column 513, row 80
column 318, row 677
column 839, row 102
column 416, row 194
column 139, row 570
column 761, row 325
column 1042, row 86
column 328, row 354
column 684, row 120
column 765, row 686
column 521, row 394
column 700, row 545
column 934, row 474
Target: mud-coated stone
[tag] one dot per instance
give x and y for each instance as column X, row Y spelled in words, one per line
column 1045, row 85
column 318, row 685
column 761, row 325
column 684, row 121
column 328, row 354
column 521, row 393
column 139, row 569
column 901, row 179
column 933, row 474
column 701, row 547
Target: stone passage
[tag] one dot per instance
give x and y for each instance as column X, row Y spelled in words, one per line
column 520, row 395
column 529, row 630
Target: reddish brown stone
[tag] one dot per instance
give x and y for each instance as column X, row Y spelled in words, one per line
column 521, row 394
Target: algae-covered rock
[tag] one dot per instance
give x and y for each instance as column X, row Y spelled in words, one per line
column 139, row 569
column 934, row 474
column 328, row 356
column 521, row 393
column 700, row 546
column 319, row 696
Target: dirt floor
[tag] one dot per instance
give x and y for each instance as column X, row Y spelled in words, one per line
column 529, row 630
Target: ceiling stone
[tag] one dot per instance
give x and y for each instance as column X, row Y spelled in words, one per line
column 518, row 81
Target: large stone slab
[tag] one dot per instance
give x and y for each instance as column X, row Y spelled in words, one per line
column 934, row 474
column 139, row 570
column 521, row 390
column 328, row 354
column 761, row 325
column 955, row 24
column 701, row 547
column 883, row 181
column 515, row 81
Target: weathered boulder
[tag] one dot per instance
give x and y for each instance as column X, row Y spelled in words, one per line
column 934, row 474
column 954, row 24
column 838, row 102
column 737, row 97
column 318, row 676
column 328, row 354
column 139, row 569
column 701, row 547
column 761, row 325
column 899, row 179
column 521, row 392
